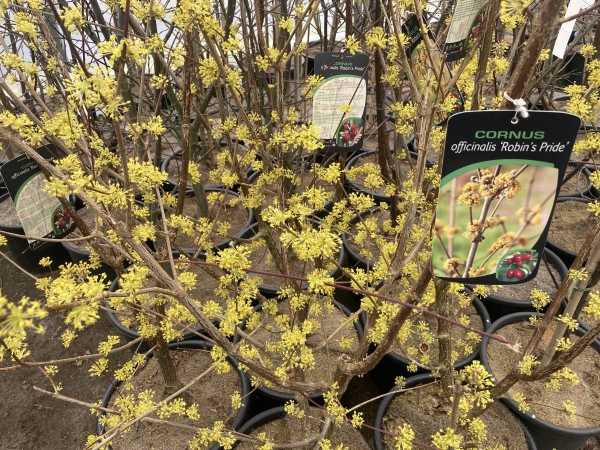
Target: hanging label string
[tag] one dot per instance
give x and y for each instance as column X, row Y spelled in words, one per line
column 520, row 108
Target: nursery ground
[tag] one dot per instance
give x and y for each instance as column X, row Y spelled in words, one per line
column 33, row 420
column 30, row 419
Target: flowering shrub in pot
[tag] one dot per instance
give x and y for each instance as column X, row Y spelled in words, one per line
column 100, row 72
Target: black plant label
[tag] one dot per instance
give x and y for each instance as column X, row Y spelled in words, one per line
column 339, row 102
column 500, row 181
column 41, row 215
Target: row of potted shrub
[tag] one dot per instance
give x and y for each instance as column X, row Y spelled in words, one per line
column 539, row 433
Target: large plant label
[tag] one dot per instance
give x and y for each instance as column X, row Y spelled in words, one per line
column 425, row 68
column 468, row 22
column 500, row 180
column 339, row 103
column 41, row 215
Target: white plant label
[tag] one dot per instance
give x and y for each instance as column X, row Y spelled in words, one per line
column 562, row 40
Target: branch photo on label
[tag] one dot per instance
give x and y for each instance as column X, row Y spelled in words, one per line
column 488, row 212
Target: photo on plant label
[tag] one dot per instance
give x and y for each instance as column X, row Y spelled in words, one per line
column 486, row 213
column 349, row 132
column 61, row 220
column 517, row 265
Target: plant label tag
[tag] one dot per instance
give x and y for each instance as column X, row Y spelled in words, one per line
column 468, row 22
column 422, row 67
column 566, row 29
column 500, row 181
column 40, row 214
column 339, row 103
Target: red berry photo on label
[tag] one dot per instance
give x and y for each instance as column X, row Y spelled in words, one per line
column 517, row 265
column 62, row 221
column 349, row 132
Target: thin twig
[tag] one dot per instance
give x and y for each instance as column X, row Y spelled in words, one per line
column 77, row 402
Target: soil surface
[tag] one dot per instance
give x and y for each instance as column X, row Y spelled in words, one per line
column 261, row 260
column 33, row 420
column 89, row 216
column 586, row 394
column 542, row 281
column 207, row 281
column 426, row 410
column 290, row 429
column 578, row 183
column 571, row 224
column 30, row 419
column 212, row 394
column 8, row 213
column 306, row 179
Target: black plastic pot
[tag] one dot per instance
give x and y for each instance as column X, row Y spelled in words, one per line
column 23, row 255
column 273, row 291
column 282, row 397
column 546, row 435
column 263, row 418
column 412, row 382
column 392, row 364
column 567, row 256
column 360, row 189
column 485, row 320
column 240, row 233
column 354, row 259
column 498, row 306
column 307, row 66
column 3, row 189
column 197, row 344
column 78, row 256
column 587, row 191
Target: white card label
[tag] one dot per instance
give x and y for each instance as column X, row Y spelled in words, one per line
column 562, row 40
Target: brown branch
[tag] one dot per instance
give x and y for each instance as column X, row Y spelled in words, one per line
column 581, row 13
column 542, row 28
column 77, row 402
column 74, row 359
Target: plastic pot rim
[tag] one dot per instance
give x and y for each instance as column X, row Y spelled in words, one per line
column 272, row 291
column 131, row 334
column 558, row 264
column 550, row 243
column 315, row 396
column 164, row 166
column 584, row 192
column 376, row 197
column 223, row 244
column 485, row 320
column 410, row 382
column 268, row 416
column 240, row 416
column 527, row 416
